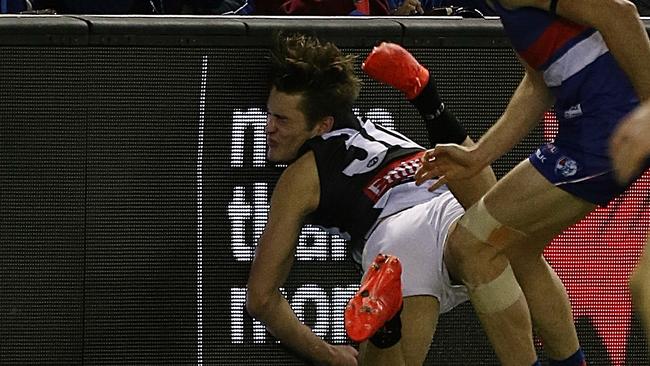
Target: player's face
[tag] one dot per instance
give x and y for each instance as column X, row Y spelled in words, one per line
column 286, row 126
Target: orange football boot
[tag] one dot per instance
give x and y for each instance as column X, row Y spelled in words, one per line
column 378, row 300
column 390, row 63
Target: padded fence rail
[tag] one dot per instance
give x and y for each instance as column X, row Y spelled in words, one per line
column 133, row 186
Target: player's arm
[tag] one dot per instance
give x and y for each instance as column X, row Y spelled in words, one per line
column 453, row 162
column 296, row 195
column 619, row 23
column 524, row 111
column 469, row 191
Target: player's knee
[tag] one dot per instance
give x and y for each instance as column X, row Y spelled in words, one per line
column 478, row 238
column 484, row 227
column 492, row 289
column 463, row 255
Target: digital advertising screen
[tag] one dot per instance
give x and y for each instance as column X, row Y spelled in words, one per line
column 134, row 186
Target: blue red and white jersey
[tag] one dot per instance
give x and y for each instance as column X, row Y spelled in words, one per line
column 574, row 60
column 592, row 95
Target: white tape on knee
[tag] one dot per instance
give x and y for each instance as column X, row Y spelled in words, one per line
column 497, row 295
column 478, row 221
column 487, row 229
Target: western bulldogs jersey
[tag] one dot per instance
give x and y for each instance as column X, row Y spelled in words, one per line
column 365, row 174
column 592, row 95
column 574, row 59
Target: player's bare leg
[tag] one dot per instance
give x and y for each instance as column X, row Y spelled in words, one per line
column 547, row 300
column 640, row 287
column 522, row 204
column 507, row 322
column 394, row 331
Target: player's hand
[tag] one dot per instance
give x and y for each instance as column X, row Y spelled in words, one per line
column 342, row 356
column 447, row 162
column 630, row 144
column 409, row 7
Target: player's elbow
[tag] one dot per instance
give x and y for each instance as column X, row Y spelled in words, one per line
column 624, row 10
column 257, row 302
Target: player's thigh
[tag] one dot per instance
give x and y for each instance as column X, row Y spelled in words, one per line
column 526, row 201
column 419, row 319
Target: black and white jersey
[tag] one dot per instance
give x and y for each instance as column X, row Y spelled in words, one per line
column 365, row 174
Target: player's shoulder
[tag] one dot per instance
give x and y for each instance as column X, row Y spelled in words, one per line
column 299, row 183
column 302, row 164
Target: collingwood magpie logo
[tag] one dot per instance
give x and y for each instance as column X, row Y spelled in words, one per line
column 372, row 162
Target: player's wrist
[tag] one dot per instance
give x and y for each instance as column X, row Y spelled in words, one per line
column 481, row 154
column 324, row 354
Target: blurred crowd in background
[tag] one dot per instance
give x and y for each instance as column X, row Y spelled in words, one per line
column 229, row 7
column 252, row 7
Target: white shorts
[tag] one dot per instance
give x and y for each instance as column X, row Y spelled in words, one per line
column 417, row 237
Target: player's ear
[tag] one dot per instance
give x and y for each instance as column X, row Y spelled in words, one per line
column 325, row 125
